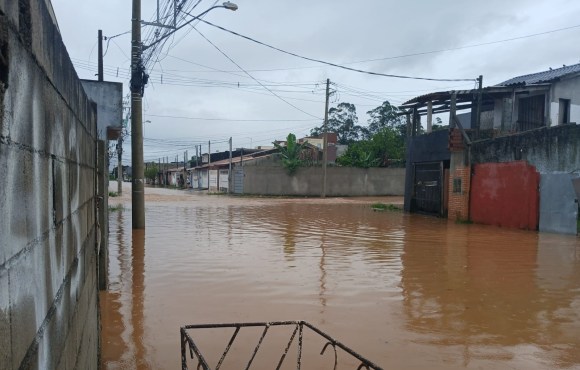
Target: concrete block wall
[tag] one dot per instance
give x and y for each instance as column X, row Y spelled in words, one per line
column 552, row 149
column 341, row 181
column 48, row 289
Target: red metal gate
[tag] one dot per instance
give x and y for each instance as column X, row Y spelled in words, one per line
column 505, row 194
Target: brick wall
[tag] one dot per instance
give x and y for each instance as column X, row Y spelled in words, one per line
column 458, row 206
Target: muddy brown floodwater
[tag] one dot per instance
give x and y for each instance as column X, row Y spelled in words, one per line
column 405, row 291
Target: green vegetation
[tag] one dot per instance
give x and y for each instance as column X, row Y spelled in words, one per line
column 290, row 154
column 344, row 122
column 384, row 146
column 115, row 208
column 462, row 221
column 113, row 194
column 151, row 173
column 380, row 144
column 385, row 207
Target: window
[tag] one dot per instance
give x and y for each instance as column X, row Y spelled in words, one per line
column 457, row 185
column 564, row 111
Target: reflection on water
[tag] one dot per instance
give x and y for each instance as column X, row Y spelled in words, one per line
column 405, row 291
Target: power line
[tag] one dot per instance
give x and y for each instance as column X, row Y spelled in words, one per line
column 467, row 46
column 243, row 70
column 230, row 119
column 334, row 64
column 404, row 55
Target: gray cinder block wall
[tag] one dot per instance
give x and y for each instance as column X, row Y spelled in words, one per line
column 272, row 179
column 48, row 290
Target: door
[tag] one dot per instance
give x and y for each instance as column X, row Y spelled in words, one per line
column 238, row 180
column 531, row 112
column 427, row 194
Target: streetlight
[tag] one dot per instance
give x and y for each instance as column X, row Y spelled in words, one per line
column 138, row 81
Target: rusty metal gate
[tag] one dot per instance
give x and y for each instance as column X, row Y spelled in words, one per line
column 300, row 336
column 427, row 188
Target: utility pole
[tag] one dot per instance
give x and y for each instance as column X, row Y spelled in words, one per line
column 479, row 99
column 137, row 87
column 230, row 168
column 325, row 140
column 208, row 154
column 120, row 163
column 100, row 62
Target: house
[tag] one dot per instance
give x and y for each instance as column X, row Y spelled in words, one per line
column 318, row 142
column 214, row 175
column 503, row 165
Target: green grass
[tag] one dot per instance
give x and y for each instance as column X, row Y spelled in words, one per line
column 461, row 221
column 115, row 208
column 385, row 207
column 113, row 194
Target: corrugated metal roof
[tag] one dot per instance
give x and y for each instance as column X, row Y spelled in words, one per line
column 540, row 77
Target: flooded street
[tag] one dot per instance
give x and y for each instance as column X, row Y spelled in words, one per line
column 405, row 291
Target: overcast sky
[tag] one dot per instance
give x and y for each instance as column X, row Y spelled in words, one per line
column 200, row 85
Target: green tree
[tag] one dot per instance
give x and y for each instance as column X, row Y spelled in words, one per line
column 384, row 147
column 290, row 154
column 344, row 121
column 151, row 173
column 386, row 115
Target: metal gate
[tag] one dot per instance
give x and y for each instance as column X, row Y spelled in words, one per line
column 558, row 204
column 238, row 180
column 301, row 336
column 427, row 186
column 531, row 112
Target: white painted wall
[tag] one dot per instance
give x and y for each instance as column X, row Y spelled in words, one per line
column 213, row 179
column 224, row 179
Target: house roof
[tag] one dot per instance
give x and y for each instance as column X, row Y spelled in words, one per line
column 542, row 77
column 244, row 158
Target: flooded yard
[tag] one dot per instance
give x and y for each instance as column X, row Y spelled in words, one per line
column 405, row 291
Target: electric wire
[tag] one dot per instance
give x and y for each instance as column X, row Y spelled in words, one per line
column 243, row 70
column 334, row 64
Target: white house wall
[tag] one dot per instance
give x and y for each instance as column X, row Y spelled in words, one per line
column 565, row 89
column 224, row 179
column 213, row 179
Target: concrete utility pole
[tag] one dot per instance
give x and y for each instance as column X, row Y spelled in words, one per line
column 325, row 140
column 230, row 169
column 120, row 163
column 208, row 154
column 100, row 62
column 137, row 86
column 138, row 81
column 479, row 99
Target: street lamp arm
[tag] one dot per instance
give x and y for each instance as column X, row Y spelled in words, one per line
column 226, row 5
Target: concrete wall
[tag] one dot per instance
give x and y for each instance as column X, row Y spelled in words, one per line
column 48, row 270
column 568, row 88
column 109, row 99
column 548, row 149
column 341, row 181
